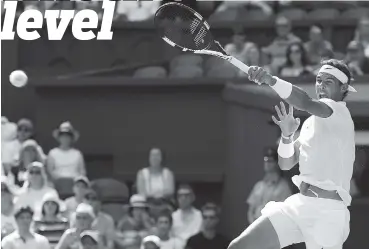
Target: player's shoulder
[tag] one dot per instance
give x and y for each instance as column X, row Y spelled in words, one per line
column 336, row 106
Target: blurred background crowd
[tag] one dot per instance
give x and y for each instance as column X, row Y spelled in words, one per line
column 49, row 193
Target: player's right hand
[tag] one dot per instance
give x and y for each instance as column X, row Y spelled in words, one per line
column 260, row 76
column 287, row 123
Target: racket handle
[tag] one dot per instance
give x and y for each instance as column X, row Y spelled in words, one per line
column 239, row 64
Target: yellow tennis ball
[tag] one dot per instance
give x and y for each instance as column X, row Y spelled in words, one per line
column 18, row 78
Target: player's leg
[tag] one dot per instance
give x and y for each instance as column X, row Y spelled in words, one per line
column 274, row 231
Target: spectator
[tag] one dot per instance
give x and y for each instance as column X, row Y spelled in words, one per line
column 316, row 46
column 273, row 187
column 239, row 46
column 8, row 224
column 151, row 242
column 209, row 237
column 356, row 60
column 187, row 219
column 51, row 224
column 256, row 58
column 277, row 49
column 135, row 11
column 103, row 223
column 65, row 161
column 164, row 222
column 35, row 188
column 80, row 188
column 155, row 181
column 91, row 240
column 10, row 151
column 8, row 130
column 138, row 218
column 23, row 237
column 297, row 63
column 128, row 240
column 29, row 153
column 362, row 34
column 84, row 217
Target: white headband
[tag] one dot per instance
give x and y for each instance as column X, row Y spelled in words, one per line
column 338, row 74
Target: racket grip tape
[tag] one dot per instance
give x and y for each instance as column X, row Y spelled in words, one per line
column 239, row 64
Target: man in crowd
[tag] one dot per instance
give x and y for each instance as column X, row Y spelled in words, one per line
column 208, row 237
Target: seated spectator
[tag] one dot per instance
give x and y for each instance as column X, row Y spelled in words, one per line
column 90, row 240
column 138, row 218
column 155, row 181
column 128, row 240
column 29, row 153
column 103, row 223
column 277, row 49
column 163, row 227
column 273, row 187
column 51, row 224
column 208, row 237
column 239, row 46
column 316, row 45
column 80, row 189
column 362, row 34
column 23, row 237
column 356, row 60
column 8, row 224
column 187, row 220
column 264, row 6
column 84, row 217
column 135, row 11
column 151, row 242
column 65, row 160
column 34, row 188
column 297, row 62
column 10, row 151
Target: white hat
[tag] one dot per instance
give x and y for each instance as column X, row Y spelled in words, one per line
column 85, row 208
column 92, row 234
column 66, row 127
column 138, row 201
column 54, row 198
column 152, row 238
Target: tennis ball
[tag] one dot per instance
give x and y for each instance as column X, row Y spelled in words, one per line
column 18, row 78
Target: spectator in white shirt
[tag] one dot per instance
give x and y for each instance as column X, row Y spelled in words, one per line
column 155, row 181
column 24, row 237
column 80, row 189
column 135, row 11
column 187, row 220
column 34, row 188
column 8, row 224
column 65, row 161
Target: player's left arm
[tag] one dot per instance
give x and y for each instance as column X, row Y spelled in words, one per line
column 292, row 94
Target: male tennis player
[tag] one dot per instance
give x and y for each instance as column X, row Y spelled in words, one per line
column 325, row 151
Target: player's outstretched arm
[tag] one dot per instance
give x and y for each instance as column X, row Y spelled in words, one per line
column 288, row 149
column 292, row 94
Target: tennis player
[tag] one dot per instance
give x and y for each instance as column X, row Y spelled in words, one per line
column 325, row 151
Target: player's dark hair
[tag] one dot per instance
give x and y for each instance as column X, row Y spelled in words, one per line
column 341, row 65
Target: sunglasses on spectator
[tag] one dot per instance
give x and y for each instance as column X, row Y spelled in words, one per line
column 25, row 129
column 35, row 172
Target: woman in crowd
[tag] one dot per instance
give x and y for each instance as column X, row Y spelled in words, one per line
column 138, row 218
column 34, row 188
column 71, row 237
column 362, row 34
column 65, row 161
column 297, row 63
column 52, row 224
column 155, row 181
column 8, row 224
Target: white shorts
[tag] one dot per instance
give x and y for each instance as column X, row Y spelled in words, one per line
column 320, row 223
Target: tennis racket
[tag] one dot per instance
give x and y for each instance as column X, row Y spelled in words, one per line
column 185, row 29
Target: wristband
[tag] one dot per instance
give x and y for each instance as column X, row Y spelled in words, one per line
column 288, row 137
column 286, row 150
column 282, row 88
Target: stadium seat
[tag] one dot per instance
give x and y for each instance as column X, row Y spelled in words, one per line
column 356, row 13
column 323, row 14
column 64, row 187
column 293, row 13
column 115, row 209
column 253, row 15
column 222, row 71
column 150, row 72
column 227, row 15
column 108, row 189
column 186, row 60
column 186, row 72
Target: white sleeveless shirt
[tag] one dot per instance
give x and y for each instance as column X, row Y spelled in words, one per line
column 327, row 151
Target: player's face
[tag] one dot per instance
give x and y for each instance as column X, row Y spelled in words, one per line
column 327, row 86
